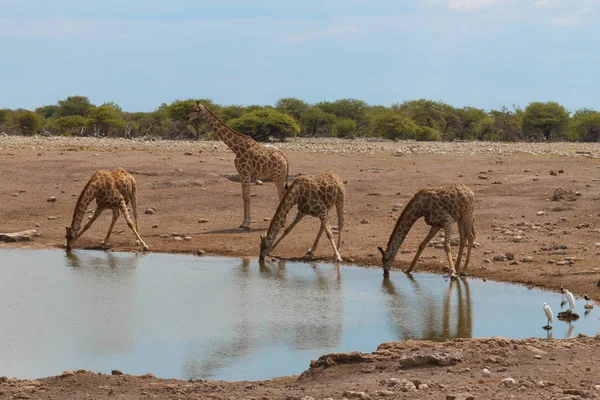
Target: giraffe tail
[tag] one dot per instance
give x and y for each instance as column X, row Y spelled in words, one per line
column 287, row 177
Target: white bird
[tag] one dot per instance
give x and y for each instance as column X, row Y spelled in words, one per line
column 549, row 315
column 570, row 299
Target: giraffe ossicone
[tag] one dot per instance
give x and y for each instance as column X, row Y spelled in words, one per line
column 251, row 159
column 112, row 190
column 314, row 195
column 441, row 207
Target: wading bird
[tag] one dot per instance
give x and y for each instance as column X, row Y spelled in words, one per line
column 549, row 315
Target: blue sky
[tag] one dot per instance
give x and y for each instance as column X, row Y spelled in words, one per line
column 141, row 53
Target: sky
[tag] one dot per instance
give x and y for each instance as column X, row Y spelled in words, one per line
column 141, row 53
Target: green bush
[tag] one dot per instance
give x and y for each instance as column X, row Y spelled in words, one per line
column 266, row 123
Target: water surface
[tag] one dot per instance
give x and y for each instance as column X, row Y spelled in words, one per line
column 223, row 318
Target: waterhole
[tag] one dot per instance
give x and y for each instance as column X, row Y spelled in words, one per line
column 179, row 316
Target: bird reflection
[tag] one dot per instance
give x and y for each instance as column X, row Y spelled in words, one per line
column 569, row 334
column 431, row 321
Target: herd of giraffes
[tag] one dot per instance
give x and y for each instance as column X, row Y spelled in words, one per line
column 313, row 195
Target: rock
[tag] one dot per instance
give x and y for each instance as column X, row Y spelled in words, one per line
column 397, row 207
column 67, row 373
column 53, row 217
column 187, row 153
column 552, row 172
column 509, row 256
column 149, row 211
column 202, row 221
column 486, row 373
column 423, row 386
column 258, row 182
column 199, row 252
column 51, row 199
column 500, row 258
column 509, row 382
column 116, row 372
column 527, row 259
column 578, row 392
column 23, row 236
column 540, row 213
column 188, row 238
column 368, row 369
column 364, row 221
column 439, row 359
column 154, row 226
column 384, row 393
column 177, row 238
column 356, row 395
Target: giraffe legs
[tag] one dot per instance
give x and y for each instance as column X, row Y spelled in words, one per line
column 448, row 250
column 90, row 222
column 115, row 211
column 339, row 207
column 470, row 230
column 461, row 246
column 246, row 198
column 429, row 236
column 123, row 208
column 310, row 252
column 329, row 234
column 287, row 230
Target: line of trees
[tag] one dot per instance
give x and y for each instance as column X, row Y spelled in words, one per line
column 289, row 117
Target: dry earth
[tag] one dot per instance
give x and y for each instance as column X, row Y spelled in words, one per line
column 537, row 223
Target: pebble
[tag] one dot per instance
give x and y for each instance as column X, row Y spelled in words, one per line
column 202, row 221
column 364, row 221
column 148, row 211
column 486, row 373
column 509, row 382
column 51, row 199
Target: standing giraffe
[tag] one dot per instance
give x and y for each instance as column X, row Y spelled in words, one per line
column 112, row 189
column 251, row 159
column 314, row 195
column 440, row 206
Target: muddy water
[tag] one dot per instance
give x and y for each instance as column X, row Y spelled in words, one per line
column 218, row 318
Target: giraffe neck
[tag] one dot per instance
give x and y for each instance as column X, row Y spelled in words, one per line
column 85, row 198
column 289, row 200
column 227, row 135
column 407, row 219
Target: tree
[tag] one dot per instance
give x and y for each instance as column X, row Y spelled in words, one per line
column 470, row 118
column 316, row 122
column 547, row 120
column 27, row 121
column 179, row 111
column 585, row 125
column 292, row 106
column 5, row 117
column 344, row 127
column 74, row 105
column 507, row 125
column 105, row 119
column 48, row 111
column 262, row 124
column 392, row 125
column 231, row 112
column 347, row 108
column 69, row 123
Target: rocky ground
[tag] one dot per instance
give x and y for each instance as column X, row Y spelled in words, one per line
column 537, row 223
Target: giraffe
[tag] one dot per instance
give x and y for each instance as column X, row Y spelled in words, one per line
column 315, row 195
column 112, row 189
column 251, row 159
column 440, row 206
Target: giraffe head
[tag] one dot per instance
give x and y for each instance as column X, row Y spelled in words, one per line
column 198, row 112
column 70, row 236
column 387, row 261
column 265, row 247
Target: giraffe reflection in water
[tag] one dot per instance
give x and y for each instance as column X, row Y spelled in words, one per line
column 112, row 329
column 311, row 303
column 432, row 321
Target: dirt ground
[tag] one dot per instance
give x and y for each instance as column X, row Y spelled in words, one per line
column 537, row 223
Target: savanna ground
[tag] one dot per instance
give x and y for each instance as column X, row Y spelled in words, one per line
column 525, row 234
